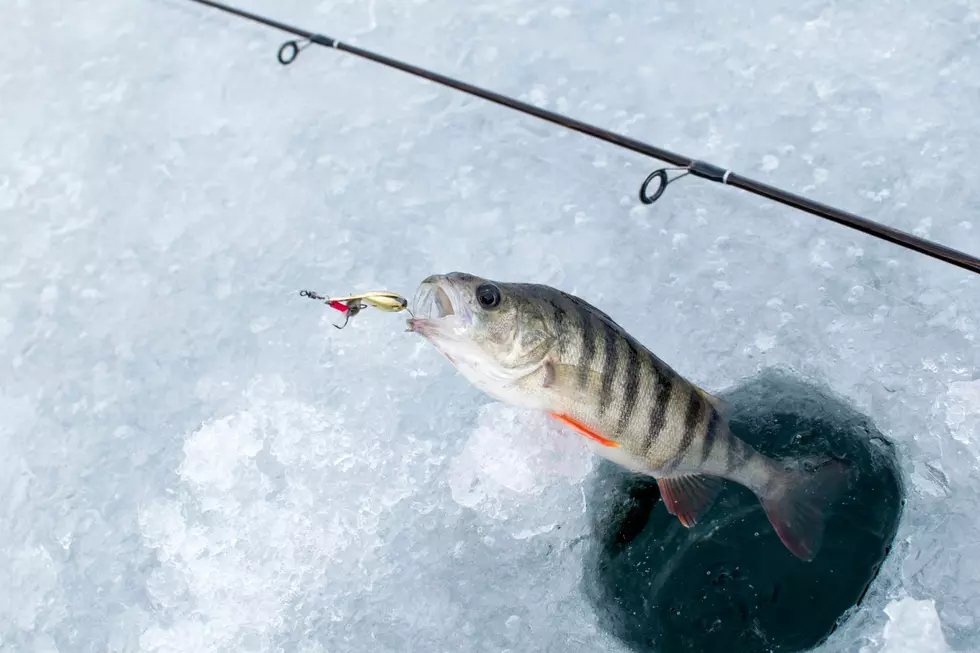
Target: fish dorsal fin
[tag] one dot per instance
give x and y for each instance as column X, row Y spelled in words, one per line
column 719, row 404
column 602, row 315
column 689, row 497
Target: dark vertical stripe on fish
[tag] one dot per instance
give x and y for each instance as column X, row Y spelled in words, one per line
column 658, row 412
column 631, row 391
column 559, row 314
column 610, row 364
column 691, row 420
column 588, row 346
column 710, row 434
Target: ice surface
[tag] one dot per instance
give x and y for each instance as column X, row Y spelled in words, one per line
column 195, row 460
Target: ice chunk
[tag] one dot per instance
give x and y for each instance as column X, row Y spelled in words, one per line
column 514, row 465
column 913, row 628
column 29, row 575
column 963, row 413
column 270, row 495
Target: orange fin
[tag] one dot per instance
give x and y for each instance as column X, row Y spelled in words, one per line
column 689, row 497
column 584, row 430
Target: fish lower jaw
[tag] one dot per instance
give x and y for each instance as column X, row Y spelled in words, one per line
column 431, row 326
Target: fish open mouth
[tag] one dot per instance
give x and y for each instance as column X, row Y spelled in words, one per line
column 432, row 302
column 433, row 312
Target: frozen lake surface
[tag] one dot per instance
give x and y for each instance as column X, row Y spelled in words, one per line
column 195, row 460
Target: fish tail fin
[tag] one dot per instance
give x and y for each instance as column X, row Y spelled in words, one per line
column 797, row 503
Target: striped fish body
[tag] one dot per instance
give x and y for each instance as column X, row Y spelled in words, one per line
column 635, row 409
column 538, row 347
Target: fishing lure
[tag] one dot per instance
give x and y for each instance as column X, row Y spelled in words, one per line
column 351, row 305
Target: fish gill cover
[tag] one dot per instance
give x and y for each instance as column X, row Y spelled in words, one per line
column 194, row 460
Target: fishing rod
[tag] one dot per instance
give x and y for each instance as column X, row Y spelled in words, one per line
column 657, row 180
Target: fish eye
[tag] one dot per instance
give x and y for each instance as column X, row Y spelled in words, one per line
column 488, row 295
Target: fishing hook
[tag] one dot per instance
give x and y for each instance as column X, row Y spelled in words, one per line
column 348, row 308
column 662, row 182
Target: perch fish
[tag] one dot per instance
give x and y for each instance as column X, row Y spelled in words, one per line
column 537, row 347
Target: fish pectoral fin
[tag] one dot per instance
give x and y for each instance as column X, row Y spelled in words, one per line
column 689, row 497
column 584, row 430
column 567, row 379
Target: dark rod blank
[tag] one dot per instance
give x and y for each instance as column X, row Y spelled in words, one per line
column 697, row 168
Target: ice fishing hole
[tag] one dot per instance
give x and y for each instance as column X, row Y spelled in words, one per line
column 728, row 585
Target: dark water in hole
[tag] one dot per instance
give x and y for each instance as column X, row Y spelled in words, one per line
column 729, row 585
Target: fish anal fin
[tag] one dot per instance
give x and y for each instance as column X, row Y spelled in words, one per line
column 689, row 497
column 584, row 430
